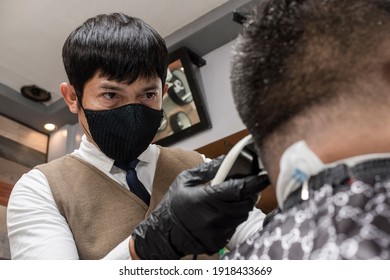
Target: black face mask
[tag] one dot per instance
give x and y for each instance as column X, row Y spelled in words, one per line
column 125, row 132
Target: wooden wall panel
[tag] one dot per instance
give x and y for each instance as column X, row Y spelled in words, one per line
column 24, row 135
column 222, row 146
column 5, row 191
column 10, row 171
column 19, row 153
column 4, row 243
column 21, row 148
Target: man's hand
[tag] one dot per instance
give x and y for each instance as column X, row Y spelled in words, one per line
column 194, row 217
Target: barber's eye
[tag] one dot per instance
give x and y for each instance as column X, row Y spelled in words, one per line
column 109, row 95
column 150, row 94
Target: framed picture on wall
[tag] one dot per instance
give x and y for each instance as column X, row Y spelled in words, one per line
column 184, row 110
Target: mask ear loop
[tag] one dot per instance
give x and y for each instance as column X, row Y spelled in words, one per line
column 79, row 102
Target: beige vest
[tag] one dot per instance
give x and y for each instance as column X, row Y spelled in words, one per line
column 100, row 212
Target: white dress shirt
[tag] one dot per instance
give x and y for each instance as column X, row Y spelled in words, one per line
column 37, row 230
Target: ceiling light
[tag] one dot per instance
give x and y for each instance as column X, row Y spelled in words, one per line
column 50, row 127
column 35, row 93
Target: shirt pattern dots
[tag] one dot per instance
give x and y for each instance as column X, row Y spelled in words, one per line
column 348, row 222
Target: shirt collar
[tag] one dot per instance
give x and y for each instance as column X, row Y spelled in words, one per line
column 92, row 154
column 149, row 155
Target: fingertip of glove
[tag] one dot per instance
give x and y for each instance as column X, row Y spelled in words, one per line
column 210, row 168
column 217, row 161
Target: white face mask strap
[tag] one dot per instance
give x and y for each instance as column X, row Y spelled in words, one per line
column 298, row 163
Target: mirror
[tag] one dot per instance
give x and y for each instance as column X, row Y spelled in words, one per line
column 184, row 110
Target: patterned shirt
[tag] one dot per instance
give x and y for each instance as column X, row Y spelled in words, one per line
column 345, row 217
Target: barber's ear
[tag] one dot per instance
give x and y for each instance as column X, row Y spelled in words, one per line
column 70, row 97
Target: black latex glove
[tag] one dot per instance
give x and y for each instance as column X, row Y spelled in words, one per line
column 194, row 218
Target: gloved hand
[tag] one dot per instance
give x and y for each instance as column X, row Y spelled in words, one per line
column 194, row 217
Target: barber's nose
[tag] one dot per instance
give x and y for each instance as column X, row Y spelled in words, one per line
column 130, row 100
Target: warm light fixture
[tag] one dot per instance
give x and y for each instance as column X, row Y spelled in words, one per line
column 50, row 127
column 35, row 93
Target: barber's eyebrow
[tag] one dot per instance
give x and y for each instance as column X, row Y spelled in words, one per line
column 116, row 87
column 150, row 87
column 111, row 87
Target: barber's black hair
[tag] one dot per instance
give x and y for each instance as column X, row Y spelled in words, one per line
column 294, row 54
column 121, row 47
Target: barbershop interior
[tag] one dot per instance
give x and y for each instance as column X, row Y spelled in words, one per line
column 37, row 126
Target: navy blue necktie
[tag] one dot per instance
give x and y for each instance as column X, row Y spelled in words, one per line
column 134, row 184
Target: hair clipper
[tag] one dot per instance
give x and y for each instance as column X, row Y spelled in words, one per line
column 242, row 160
